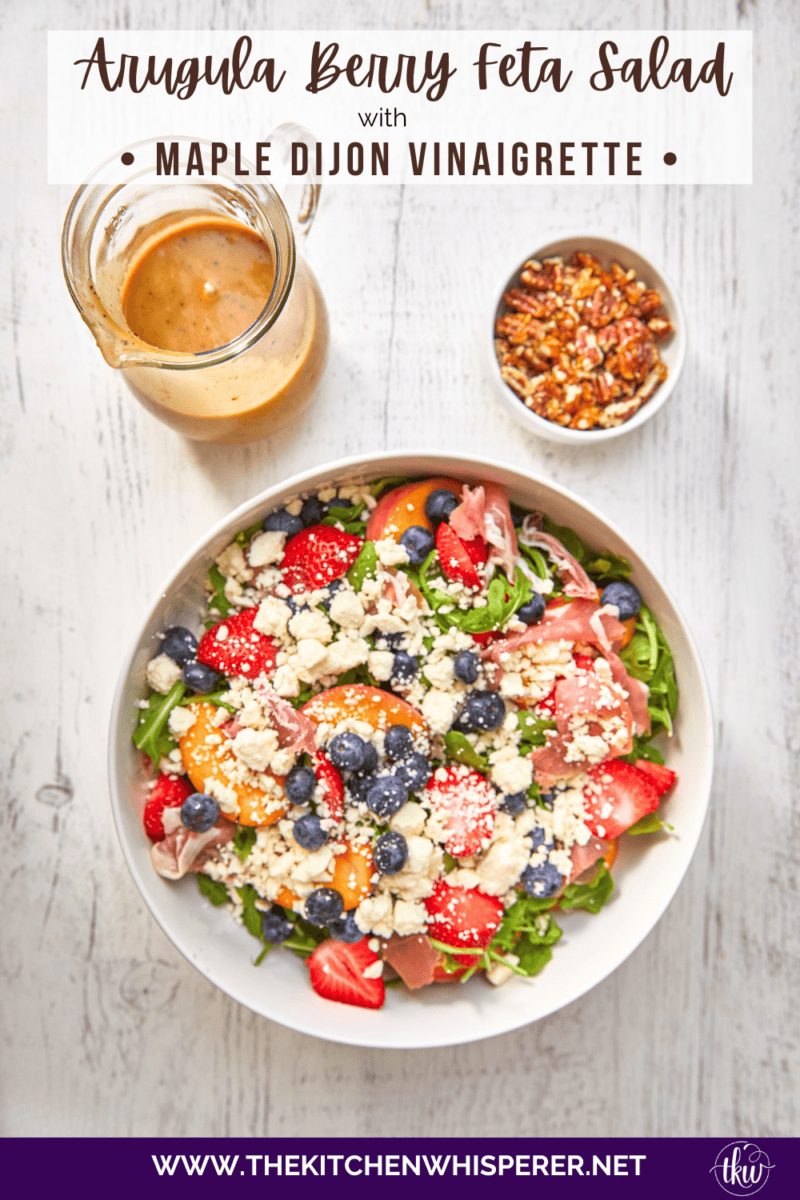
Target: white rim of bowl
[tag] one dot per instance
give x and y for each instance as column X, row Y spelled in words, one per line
column 586, row 437
column 295, row 483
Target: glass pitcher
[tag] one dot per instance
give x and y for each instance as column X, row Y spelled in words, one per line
column 254, row 385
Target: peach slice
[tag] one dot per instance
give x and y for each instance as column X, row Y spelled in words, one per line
column 379, row 709
column 352, row 874
column 405, row 506
column 202, row 761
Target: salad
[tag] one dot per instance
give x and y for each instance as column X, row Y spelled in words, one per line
column 409, row 738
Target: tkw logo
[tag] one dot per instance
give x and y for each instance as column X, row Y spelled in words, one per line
column 741, row 1168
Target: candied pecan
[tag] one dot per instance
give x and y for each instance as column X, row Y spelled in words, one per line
column 540, row 281
column 583, row 259
column 604, row 307
column 521, row 302
column 637, row 356
column 660, row 327
column 586, row 417
column 649, row 302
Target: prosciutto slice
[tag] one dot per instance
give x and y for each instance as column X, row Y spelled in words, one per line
column 572, row 575
column 582, row 696
column 484, row 512
column 582, row 621
column 413, row 958
column 182, row 851
column 295, row 731
column 584, row 857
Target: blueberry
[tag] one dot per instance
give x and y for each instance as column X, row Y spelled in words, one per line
column 337, row 502
column 404, row 666
column 419, row 542
column 440, row 504
column 485, row 710
column 462, row 722
column 313, row 511
column 283, row 522
column 179, row 644
column 398, row 742
column 299, row 784
column 392, row 641
column 275, row 927
column 333, row 588
column 370, row 758
column 547, row 799
column 360, row 785
column 344, row 929
column 532, row 611
column 539, row 838
column 542, row 881
column 348, row 751
column 390, row 853
column 308, row 832
column 466, row 665
column 200, row 678
column 386, row 796
column 324, row 905
column 514, row 804
column 414, row 771
column 199, row 812
column 626, row 596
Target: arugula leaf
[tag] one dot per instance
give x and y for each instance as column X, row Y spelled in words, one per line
column 388, row 481
column 243, row 840
column 213, row 889
column 305, row 938
column 528, row 929
column 652, row 823
column 450, row 863
column 591, row 896
column 208, row 698
column 643, row 749
column 536, row 559
column 603, row 566
column 152, row 734
column 503, row 600
column 460, row 748
column 245, row 536
column 366, row 564
column 532, row 729
column 648, row 657
column 218, row 598
column 534, row 958
column 569, row 540
column 252, row 917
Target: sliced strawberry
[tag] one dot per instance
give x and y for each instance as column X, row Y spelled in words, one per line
column 169, row 791
column 584, row 662
column 454, row 557
column 483, row 638
column 660, row 776
column 547, row 705
column 617, row 797
column 477, row 551
column 332, row 784
column 316, row 556
column 462, row 917
column 337, row 973
column 234, row 647
column 469, row 802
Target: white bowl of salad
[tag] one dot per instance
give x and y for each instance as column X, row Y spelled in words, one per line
column 411, row 750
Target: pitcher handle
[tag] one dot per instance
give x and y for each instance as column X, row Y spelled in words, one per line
column 300, row 193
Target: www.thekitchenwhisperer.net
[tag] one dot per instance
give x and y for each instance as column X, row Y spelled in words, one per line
column 399, row 1165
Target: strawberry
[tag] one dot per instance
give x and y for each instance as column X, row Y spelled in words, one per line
column 584, row 662
column 661, row 777
column 332, row 784
column 241, row 650
column 469, row 803
column 316, row 556
column 547, row 705
column 462, row 917
column 170, row 791
column 456, row 557
column 483, row 638
column 618, row 795
column 337, row 973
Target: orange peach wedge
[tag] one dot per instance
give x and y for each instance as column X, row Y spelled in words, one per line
column 355, row 700
column 206, row 756
column 405, row 506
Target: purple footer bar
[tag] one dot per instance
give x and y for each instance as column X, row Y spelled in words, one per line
column 296, row 1168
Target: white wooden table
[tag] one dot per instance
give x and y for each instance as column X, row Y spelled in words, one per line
column 106, row 1029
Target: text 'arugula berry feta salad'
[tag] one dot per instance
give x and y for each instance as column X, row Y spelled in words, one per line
column 415, row 726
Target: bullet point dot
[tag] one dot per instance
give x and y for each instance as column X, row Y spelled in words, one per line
column 127, row 159
column 670, row 159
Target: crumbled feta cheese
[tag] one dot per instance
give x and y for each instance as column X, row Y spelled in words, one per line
column 346, row 609
column 311, row 624
column 439, row 709
column 162, row 673
column 255, row 748
column 380, row 664
column 390, row 552
column 272, row 617
column 180, row 721
column 266, row 548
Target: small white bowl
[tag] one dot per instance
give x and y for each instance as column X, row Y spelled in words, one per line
column 647, row 872
column 672, row 350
